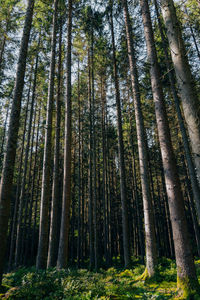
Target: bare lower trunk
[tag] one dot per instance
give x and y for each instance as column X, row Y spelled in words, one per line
column 27, row 246
column 190, row 165
column 10, row 154
column 150, row 238
column 45, row 194
column 64, row 230
column 90, row 170
column 187, row 279
column 94, row 160
column 14, row 221
column 126, row 240
column 54, row 230
column 24, row 178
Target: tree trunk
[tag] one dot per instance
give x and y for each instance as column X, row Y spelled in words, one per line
column 33, row 240
column 16, row 206
column 185, row 81
column 10, row 154
column 90, row 170
column 23, row 186
column 79, row 170
column 150, row 238
column 94, row 157
column 104, row 168
column 22, row 259
column 187, row 279
column 64, row 231
column 27, row 246
column 125, row 227
column 54, row 230
column 45, row 193
column 190, row 165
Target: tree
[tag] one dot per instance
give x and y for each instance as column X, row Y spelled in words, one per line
column 186, row 275
column 9, row 159
column 54, row 226
column 44, row 207
column 64, row 230
column 188, row 93
column 142, row 149
column 126, row 240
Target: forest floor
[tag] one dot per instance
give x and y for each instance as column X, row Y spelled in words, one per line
column 114, row 283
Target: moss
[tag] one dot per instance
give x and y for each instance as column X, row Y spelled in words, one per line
column 188, row 288
column 126, row 273
column 144, row 276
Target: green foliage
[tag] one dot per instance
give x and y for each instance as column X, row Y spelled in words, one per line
column 82, row 284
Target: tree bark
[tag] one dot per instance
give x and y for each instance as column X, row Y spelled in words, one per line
column 24, row 177
column 185, row 81
column 45, row 193
column 27, row 246
column 149, row 222
column 16, row 206
column 186, row 274
column 10, row 154
column 65, row 218
column 125, row 227
column 190, row 164
column 54, row 230
column 24, row 240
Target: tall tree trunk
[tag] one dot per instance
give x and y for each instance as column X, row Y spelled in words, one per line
column 33, row 240
column 27, row 194
column 150, row 238
column 10, row 154
column 104, row 168
column 125, row 227
column 54, row 230
column 136, row 194
column 185, row 81
column 64, row 230
column 90, row 170
column 79, row 170
column 186, row 275
column 94, row 156
column 45, row 193
column 27, row 246
column 16, row 206
column 190, row 165
column 24, row 178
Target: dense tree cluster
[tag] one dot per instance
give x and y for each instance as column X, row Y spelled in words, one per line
column 100, row 134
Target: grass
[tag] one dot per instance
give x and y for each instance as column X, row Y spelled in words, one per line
column 114, row 283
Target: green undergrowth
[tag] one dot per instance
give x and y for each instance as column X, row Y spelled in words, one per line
column 114, row 283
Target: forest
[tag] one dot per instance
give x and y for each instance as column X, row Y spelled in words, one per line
column 100, row 149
